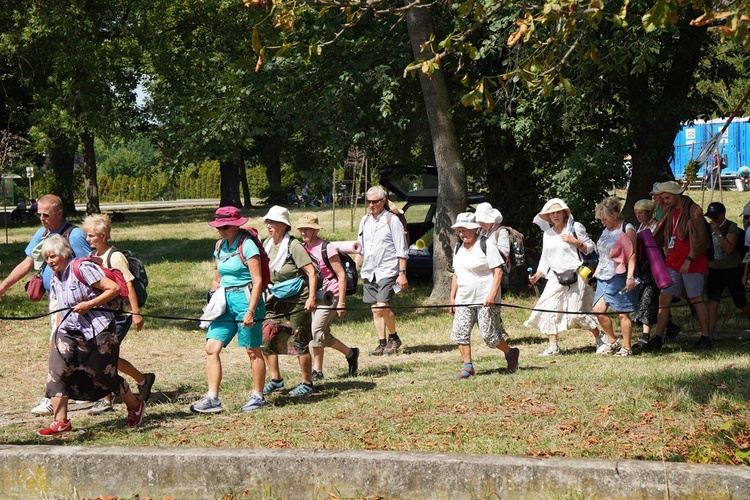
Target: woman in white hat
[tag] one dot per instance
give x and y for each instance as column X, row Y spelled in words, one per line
column 289, row 264
column 563, row 243
column 490, row 219
column 476, row 280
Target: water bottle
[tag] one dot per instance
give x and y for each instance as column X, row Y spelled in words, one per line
column 624, row 290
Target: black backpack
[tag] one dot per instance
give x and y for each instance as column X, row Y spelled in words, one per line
column 138, row 270
column 350, row 268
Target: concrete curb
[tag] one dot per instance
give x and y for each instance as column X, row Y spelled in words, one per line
column 89, row 472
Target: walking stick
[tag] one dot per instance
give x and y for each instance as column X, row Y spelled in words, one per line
column 536, row 288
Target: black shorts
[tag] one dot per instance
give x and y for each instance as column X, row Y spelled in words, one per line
column 721, row 279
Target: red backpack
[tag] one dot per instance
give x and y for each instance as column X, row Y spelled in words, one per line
column 252, row 233
column 113, row 274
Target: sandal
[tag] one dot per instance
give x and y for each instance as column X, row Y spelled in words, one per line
column 623, row 353
column 607, row 348
column 465, row 374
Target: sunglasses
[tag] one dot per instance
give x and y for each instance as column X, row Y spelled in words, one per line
column 223, row 228
column 373, row 202
column 43, row 215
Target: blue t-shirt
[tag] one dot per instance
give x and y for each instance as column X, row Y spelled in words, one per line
column 77, row 241
column 230, row 267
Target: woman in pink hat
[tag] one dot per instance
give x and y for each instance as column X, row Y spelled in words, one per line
column 239, row 278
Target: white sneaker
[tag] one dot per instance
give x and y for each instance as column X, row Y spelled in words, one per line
column 43, row 408
column 600, row 340
column 550, row 351
column 607, row 348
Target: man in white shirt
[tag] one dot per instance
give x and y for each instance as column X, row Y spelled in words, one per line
column 384, row 253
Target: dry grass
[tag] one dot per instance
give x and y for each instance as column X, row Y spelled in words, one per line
column 677, row 405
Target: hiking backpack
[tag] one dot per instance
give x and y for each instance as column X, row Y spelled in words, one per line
column 138, row 270
column 350, row 268
column 252, row 234
column 112, row 274
column 517, row 257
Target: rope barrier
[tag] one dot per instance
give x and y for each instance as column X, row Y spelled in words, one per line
column 368, row 308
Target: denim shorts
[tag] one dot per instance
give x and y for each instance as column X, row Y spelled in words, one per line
column 610, row 290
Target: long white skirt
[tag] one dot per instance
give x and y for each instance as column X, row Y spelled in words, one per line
column 570, row 303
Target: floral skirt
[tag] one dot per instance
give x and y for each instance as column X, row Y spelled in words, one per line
column 83, row 369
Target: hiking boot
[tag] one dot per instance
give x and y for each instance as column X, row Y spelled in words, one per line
column 392, row 346
column 704, row 344
column 654, row 343
column 317, row 375
column 378, row 351
column 512, row 359
column 145, row 389
column 600, row 340
column 353, row 362
column 135, row 416
column 43, row 408
column 671, row 331
column 207, row 405
column 643, row 340
column 100, row 407
column 302, row 390
column 550, row 351
column 272, row 386
column 55, row 428
column 254, row 403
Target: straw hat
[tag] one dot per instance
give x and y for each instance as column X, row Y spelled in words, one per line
column 671, row 187
column 552, row 206
column 227, row 216
column 309, row 221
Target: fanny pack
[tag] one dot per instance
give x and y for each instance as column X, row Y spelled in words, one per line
column 567, row 278
column 288, row 288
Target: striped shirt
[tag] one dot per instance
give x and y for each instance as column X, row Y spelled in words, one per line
column 68, row 292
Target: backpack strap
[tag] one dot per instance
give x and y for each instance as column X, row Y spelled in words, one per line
column 324, row 254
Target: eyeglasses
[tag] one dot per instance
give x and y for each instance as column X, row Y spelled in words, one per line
column 373, row 202
column 43, row 215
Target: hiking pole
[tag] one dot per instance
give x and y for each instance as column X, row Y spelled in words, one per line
column 536, row 288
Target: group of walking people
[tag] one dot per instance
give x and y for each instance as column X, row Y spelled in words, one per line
column 87, row 328
column 625, row 277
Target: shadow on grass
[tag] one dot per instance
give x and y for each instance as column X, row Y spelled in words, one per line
column 322, row 392
column 414, row 349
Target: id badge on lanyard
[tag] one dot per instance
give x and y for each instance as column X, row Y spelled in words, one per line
column 673, row 238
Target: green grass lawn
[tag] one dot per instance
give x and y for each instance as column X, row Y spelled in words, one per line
column 677, row 405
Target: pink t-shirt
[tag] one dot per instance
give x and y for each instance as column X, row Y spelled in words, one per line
column 331, row 282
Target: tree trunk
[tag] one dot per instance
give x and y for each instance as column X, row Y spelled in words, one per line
column 446, row 147
column 63, row 159
column 89, row 162
column 243, row 181
column 653, row 140
column 230, row 182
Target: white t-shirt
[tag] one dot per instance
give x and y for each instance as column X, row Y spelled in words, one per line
column 474, row 273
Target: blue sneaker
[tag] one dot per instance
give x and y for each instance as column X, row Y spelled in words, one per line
column 207, row 405
column 254, row 403
column 272, row 386
column 301, row 390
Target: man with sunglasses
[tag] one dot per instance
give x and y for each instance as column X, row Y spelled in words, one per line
column 384, row 254
column 50, row 213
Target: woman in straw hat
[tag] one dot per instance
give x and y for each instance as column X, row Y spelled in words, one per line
column 476, row 280
column 561, row 307
column 334, row 280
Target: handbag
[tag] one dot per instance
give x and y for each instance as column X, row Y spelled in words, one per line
column 35, row 288
column 288, row 288
column 567, row 278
